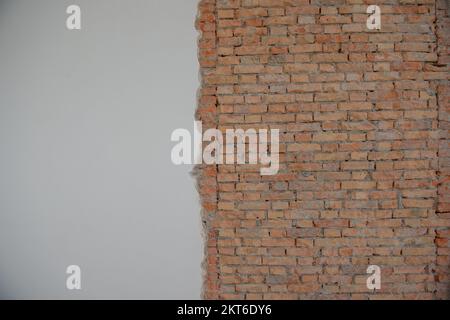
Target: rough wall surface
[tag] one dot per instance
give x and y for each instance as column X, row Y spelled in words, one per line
column 365, row 160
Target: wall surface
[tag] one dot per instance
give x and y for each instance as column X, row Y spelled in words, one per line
column 364, row 167
column 86, row 175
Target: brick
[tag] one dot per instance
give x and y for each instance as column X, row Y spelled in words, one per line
column 363, row 119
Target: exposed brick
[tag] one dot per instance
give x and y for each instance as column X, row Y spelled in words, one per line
column 365, row 160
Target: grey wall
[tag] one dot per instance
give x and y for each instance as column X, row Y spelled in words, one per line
column 85, row 170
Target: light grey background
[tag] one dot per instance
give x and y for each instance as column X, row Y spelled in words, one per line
column 85, row 171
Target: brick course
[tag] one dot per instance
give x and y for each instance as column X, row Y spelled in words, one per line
column 365, row 159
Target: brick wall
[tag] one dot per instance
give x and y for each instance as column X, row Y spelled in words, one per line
column 365, row 157
column 443, row 94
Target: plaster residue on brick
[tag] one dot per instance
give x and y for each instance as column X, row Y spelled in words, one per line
column 363, row 117
column 206, row 112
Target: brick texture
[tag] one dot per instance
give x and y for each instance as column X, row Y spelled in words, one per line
column 365, row 158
